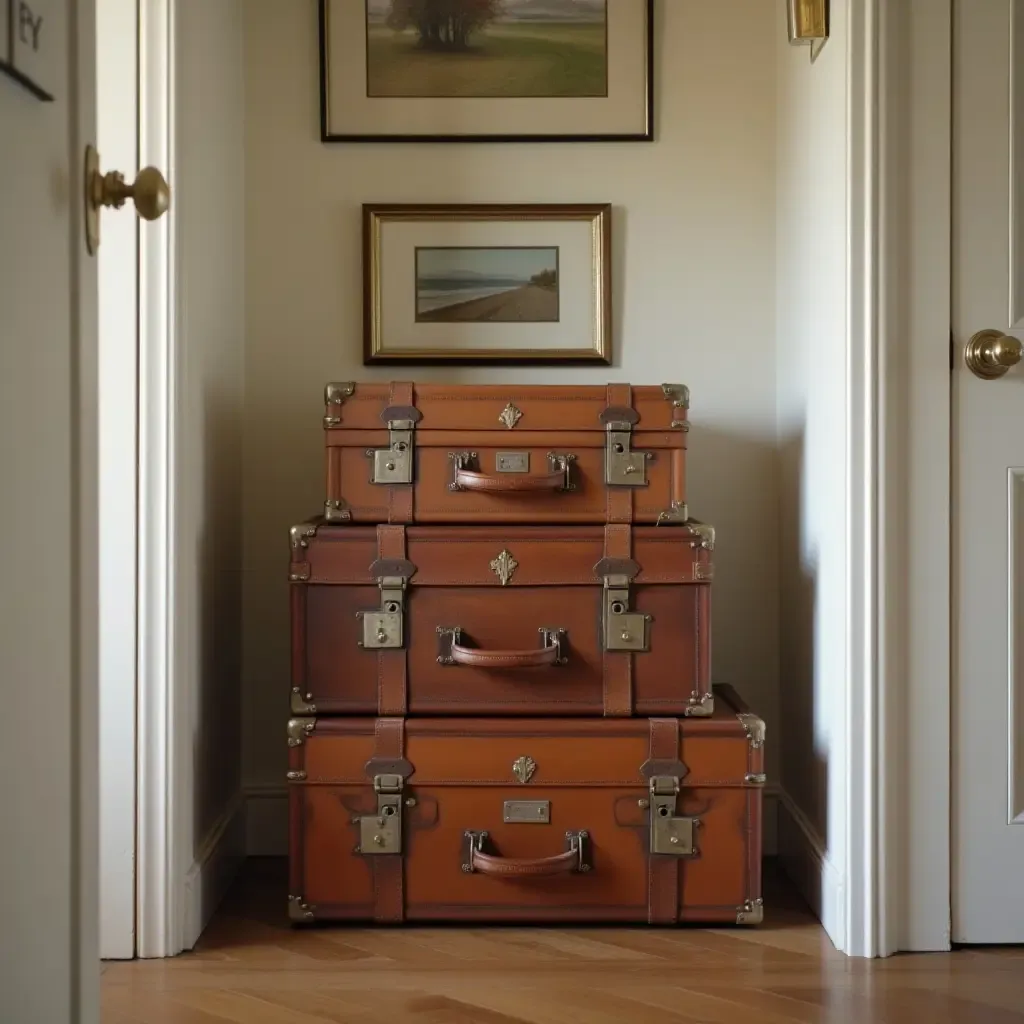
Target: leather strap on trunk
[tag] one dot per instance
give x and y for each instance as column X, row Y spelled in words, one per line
column 619, row 499
column 663, row 869
column 392, row 683
column 618, row 665
column 388, row 871
column 400, row 496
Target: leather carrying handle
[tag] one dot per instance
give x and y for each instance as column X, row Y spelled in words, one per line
column 549, row 654
column 513, row 483
column 573, row 861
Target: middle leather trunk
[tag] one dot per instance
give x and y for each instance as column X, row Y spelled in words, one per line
column 530, row 620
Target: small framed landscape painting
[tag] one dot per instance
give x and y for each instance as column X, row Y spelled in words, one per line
column 496, row 284
column 486, row 70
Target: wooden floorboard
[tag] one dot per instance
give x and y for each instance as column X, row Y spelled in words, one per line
column 250, row 966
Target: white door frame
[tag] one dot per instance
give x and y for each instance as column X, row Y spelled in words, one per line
column 898, row 816
column 163, row 803
column 117, row 266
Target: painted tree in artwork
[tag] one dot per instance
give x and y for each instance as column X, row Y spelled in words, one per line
column 443, row 24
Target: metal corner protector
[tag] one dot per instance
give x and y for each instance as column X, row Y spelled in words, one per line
column 752, row 912
column 299, row 730
column 677, row 513
column 299, row 909
column 301, row 535
column 337, row 391
column 300, row 705
column 336, row 511
column 754, row 727
column 705, row 532
column 701, row 705
column 677, row 394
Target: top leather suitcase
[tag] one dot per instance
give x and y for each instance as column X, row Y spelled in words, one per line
column 454, row 453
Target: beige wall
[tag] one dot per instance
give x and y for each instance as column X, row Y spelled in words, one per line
column 811, row 329
column 694, row 293
column 210, row 237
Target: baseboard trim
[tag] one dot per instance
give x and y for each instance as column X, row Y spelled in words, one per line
column 220, row 855
column 266, row 820
column 805, row 860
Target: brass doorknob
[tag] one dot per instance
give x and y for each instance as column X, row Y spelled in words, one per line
column 149, row 192
column 989, row 354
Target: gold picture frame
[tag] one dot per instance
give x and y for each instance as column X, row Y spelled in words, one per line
column 808, row 23
column 487, row 284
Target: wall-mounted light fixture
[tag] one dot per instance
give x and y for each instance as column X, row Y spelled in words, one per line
column 808, row 23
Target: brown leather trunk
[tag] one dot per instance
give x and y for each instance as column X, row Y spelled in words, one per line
column 535, row 820
column 483, row 620
column 429, row 453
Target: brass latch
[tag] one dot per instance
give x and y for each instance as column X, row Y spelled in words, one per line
column 623, row 630
column 385, row 628
column 381, row 833
column 670, row 834
column 394, row 464
column 622, row 466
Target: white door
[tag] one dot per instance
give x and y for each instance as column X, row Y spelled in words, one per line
column 49, row 967
column 988, row 472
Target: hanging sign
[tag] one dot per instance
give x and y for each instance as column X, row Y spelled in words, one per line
column 30, row 45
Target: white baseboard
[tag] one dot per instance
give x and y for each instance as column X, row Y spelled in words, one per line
column 806, row 861
column 214, row 868
column 266, row 821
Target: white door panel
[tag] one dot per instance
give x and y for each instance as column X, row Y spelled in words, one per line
column 988, row 479
column 49, row 967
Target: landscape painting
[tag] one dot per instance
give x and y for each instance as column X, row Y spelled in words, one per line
column 487, row 48
column 487, row 285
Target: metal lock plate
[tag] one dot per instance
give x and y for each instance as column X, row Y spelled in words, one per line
column 622, row 466
column 512, row 462
column 623, row 630
column 537, row 812
column 670, row 835
column 382, row 630
column 386, row 628
column 394, row 464
column 381, row 833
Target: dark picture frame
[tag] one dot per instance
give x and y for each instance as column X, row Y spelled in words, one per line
column 584, row 256
column 331, row 132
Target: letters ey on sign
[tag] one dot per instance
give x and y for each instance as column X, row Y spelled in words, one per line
column 31, row 40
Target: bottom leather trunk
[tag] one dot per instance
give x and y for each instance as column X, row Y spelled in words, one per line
column 527, row 820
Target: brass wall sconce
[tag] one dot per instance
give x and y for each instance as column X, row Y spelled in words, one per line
column 808, row 24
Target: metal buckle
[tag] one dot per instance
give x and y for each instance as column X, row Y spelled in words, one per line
column 670, row 835
column 381, row 833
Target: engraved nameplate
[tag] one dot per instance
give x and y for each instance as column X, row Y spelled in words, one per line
column 512, row 462
column 521, row 811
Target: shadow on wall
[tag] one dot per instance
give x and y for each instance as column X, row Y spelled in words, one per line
column 214, row 609
column 804, row 675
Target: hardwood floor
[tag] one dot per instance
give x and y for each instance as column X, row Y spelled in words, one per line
column 251, row 967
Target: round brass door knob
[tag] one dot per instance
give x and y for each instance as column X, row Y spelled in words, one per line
column 150, row 192
column 989, row 354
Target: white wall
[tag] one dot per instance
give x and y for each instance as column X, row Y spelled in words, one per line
column 694, row 291
column 811, row 330
column 210, row 236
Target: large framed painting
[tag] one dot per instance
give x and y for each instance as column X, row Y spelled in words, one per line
column 487, row 284
column 486, row 70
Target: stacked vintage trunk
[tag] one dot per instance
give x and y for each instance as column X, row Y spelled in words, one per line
column 501, row 668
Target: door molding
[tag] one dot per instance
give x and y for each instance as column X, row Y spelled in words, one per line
column 898, row 669
column 162, row 801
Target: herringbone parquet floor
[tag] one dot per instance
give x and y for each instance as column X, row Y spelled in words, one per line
column 251, row 968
